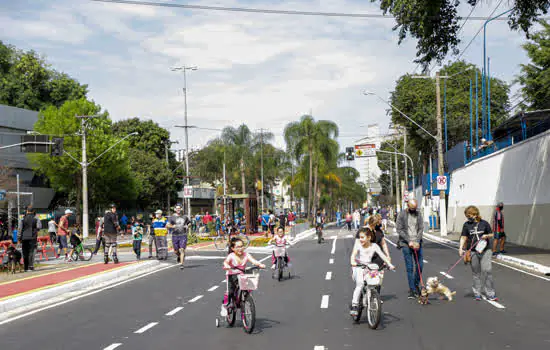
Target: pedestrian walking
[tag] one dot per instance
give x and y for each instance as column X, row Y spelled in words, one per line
column 180, row 228
column 28, row 237
column 349, row 220
column 110, row 231
column 498, row 229
column 62, row 232
column 137, row 234
column 151, row 238
column 410, row 227
column 475, row 240
column 338, row 218
column 159, row 225
column 51, row 231
column 99, row 234
column 356, row 219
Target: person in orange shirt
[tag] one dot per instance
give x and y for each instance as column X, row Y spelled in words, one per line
column 62, row 231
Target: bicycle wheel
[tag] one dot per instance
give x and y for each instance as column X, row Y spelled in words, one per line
column 280, row 268
column 374, row 311
column 245, row 239
column 248, row 313
column 221, row 242
column 86, row 254
column 231, row 315
column 319, row 236
column 75, row 255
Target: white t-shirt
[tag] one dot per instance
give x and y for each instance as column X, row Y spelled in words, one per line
column 364, row 255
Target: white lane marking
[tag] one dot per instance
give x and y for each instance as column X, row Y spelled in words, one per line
column 425, row 261
column 264, row 259
column 110, row 286
column 318, row 347
column 494, row 303
column 331, row 261
column 333, row 245
column 446, row 275
column 349, row 236
column 223, row 281
column 195, row 298
column 494, row 262
column 146, row 328
column 333, row 237
column 390, row 242
column 324, row 302
column 202, row 257
column 213, row 288
column 328, row 276
column 175, row 311
column 113, row 346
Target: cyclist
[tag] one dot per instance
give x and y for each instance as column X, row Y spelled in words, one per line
column 75, row 239
column 320, row 222
column 237, row 259
column 280, row 241
column 363, row 253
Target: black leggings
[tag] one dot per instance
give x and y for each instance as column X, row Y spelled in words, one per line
column 232, row 284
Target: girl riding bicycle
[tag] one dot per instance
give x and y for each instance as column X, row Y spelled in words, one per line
column 280, row 241
column 363, row 254
column 235, row 263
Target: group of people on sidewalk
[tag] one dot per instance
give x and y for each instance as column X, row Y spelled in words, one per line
column 474, row 248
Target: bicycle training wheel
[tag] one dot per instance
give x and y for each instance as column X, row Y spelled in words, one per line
column 374, row 312
column 86, row 254
column 221, row 242
column 248, row 314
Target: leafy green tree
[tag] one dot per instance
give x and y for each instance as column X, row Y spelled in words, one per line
column 240, row 141
column 109, row 177
column 436, row 23
column 535, row 76
column 27, row 81
column 416, row 98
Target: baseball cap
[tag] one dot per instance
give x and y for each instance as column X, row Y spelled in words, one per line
column 68, row 211
column 158, row 212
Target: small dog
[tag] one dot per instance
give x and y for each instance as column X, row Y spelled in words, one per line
column 14, row 260
column 433, row 286
column 423, row 298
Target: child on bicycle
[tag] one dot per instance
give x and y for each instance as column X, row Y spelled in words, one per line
column 363, row 254
column 235, row 263
column 280, row 241
column 75, row 239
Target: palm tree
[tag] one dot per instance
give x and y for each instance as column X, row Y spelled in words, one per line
column 308, row 138
column 239, row 142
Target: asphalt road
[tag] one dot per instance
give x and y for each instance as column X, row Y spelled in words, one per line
column 289, row 313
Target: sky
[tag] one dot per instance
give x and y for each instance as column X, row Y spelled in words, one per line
column 264, row 70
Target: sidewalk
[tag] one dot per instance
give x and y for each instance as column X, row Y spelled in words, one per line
column 534, row 259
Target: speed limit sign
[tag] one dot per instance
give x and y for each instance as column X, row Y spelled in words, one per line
column 442, row 183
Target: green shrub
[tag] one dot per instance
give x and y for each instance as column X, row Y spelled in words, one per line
column 259, row 242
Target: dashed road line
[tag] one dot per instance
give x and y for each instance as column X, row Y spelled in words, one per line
column 494, row 303
column 213, row 288
column 113, row 346
column 318, row 347
column 333, row 245
column 446, row 275
column 324, row 302
column 425, row 261
column 146, row 328
column 195, row 298
column 173, row 312
column 349, row 236
column 328, row 276
column 331, row 261
column 390, row 242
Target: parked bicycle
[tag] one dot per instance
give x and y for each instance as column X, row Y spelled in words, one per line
column 242, row 299
column 370, row 298
column 222, row 240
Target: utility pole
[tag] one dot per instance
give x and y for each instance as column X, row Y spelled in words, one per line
column 441, row 169
column 167, row 144
column 406, row 168
column 18, row 207
column 84, row 164
column 184, row 69
column 262, row 166
column 397, row 196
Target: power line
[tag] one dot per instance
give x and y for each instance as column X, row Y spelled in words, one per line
column 263, row 11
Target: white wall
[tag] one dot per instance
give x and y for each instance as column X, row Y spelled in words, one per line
column 518, row 176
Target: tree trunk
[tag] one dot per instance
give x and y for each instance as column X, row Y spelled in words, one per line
column 243, row 178
column 258, row 198
column 310, row 189
column 314, row 202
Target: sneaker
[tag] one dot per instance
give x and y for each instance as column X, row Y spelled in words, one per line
column 223, row 311
column 115, row 259
column 477, row 297
column 354, row 311
column 106, row 259
column 273, row 267
column 503, row 252
column 181, row 267
column 412, row 294
column 496, row 253
column 493, row 298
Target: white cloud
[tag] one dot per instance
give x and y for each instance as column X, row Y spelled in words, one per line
column 263, row 70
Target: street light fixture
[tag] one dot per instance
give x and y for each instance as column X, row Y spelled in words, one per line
column 186, row 127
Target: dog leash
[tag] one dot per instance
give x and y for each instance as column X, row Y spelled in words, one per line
column 461, row 258
column 418, row 266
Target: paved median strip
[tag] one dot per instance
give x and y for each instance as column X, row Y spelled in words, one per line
column 146, row 328
column 173, row 312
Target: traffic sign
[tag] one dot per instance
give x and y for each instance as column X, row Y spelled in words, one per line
column 188, row 192
column 442, row 183
column 365, row 150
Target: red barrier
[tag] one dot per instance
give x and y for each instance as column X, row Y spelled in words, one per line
column 42, row 245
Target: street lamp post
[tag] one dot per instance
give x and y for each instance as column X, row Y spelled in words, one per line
column 184, row 69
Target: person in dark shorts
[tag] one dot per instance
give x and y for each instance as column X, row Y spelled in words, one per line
column 498, row 229
column 180, row 227
column 110, row 231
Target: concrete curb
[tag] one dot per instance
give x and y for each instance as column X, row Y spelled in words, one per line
column 33, row 300
column 505, row 258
